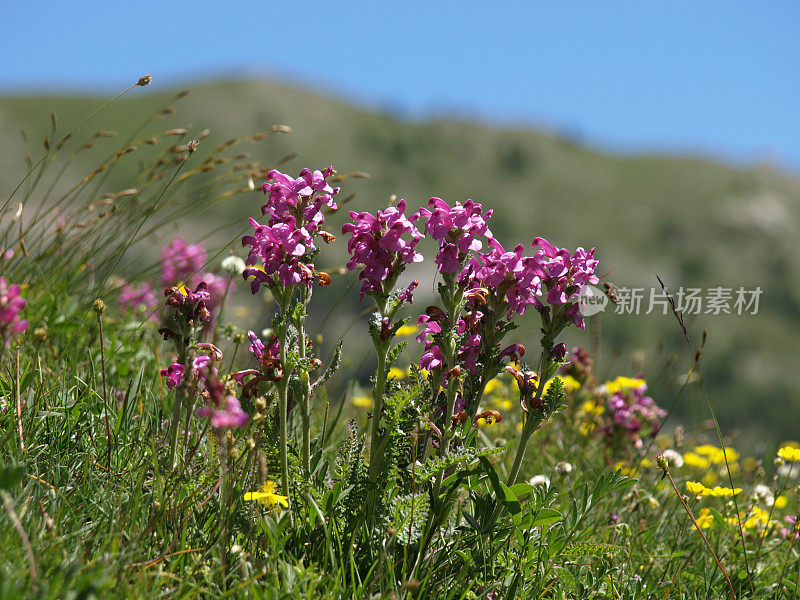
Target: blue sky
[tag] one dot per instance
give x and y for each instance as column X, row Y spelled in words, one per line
column 715, row 78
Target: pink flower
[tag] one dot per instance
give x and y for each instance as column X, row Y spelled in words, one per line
column 231, row 415
column 174, row 374
column 281, row 250
column 181, row 261
column 382, row 244
column 11, row 304
column 139, row 298
column 457, row 230
column 563, row 275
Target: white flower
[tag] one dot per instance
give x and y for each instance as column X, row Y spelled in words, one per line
column 563, row 468
column 763, row 493
column 540, row 480
column 233, row 265
column 673, row 457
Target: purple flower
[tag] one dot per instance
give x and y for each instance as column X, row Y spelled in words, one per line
column 514, row 276
column 174, row 374
column 382, row 244
column 139, row 298
column 231, row 415
column 11, row 304
column 191, row 304
column 563, row 275
column 181, row 261
column 457, row 230
column 280, row 251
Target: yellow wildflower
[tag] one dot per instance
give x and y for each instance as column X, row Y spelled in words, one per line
column 492, row 385
column 570, row 384
column 757, row 517
column 705, row 519
column 503, row 403
column 710, row 478
column 715, row 455
column 781, row 502
column 397, row 373
column 406, row 330
column 789, row 453
column 698, row 489
column 268, row 496
column 593, row 408
column 623, row 383
column 362, row 402
column 695, row 460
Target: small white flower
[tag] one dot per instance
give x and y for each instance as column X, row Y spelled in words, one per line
column 764, row 494
column 233, row 265
column 540, row 480
column 266, row 334
column 563, row 468
column 673, row 457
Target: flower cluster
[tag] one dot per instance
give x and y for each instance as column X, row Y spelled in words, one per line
column 563, row 275
column 285, row 246
column 180, row 261
column 139, row 298
column 378, row 244
column 510, row 275
column 183, row 263
column 457, row 230
column 191, row 305
column 633, row 413
column 11, row 304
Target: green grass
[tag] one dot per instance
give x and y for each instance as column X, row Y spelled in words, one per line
column 86, row 514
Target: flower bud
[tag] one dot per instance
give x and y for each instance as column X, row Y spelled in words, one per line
column 559, row 352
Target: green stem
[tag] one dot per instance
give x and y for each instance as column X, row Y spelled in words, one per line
column 283, row 399
column 531, row 422
column 177, row 409
column 305, row 403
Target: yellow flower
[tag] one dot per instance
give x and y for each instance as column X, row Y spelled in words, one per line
column 586, row 429
column 503, row 403
column 268, row 496
column 781, row 502
column 715, row 455
column 407, row 330
column 492, row 385
column 698, row 489
column 695, row 460
column 749, row 464
column 397, row 373
column 710, row 478
column 593, row 408
column 362, row 402
column 705, row 520
column 623, row 383
column 570, row 384
column 789, row 453
column 757, row 517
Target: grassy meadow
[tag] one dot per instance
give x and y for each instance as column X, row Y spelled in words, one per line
column 339, row 417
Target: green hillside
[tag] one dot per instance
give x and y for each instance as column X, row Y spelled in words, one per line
column 694, row 222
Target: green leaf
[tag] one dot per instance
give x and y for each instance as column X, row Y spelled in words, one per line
column 540, row 518
column 11, row 475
